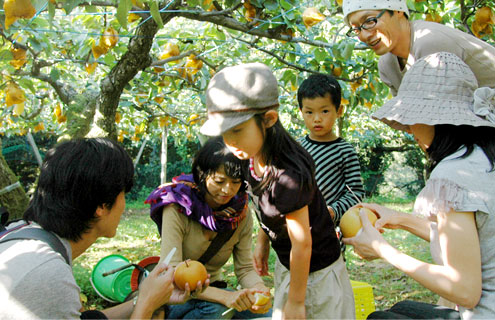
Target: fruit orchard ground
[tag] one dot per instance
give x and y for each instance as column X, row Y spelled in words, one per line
column 137, row 238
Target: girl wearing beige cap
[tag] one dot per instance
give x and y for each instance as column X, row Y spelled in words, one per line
column 311, row 280
column 384, row 26
column 453, row 121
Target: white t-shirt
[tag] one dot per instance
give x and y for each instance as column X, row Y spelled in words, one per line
column 36, row 282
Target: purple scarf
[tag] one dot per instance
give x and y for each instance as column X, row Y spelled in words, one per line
column 184, row 192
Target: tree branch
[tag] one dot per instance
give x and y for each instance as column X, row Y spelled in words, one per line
column 294, row 66
column 64, row 91
column 136, row 58
column 174, row 58
column 231, row 23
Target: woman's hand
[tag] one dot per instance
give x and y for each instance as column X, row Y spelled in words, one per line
column 241, row 299
column 181, row 296
column 368, row 240
column 387, row 218
column 261, row 254
column 263, row 308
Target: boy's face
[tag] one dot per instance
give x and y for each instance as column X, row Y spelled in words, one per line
column 319, row 115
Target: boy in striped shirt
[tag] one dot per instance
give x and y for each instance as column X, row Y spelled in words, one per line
column 337, row 165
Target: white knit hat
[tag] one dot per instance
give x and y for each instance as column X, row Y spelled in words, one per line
column 439, row 89
column 350, row 6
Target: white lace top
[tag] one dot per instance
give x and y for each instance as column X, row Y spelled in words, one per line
column 465, row 185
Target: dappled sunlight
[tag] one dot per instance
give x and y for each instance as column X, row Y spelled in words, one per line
column 135, row 240
column 389, row 284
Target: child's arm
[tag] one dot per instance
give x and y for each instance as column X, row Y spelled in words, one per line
column 300, row 256
column 261, row 254
column 352, row 180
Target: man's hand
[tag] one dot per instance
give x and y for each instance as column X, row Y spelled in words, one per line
column 155, row 291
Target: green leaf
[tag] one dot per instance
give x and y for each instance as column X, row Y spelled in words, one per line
column 271, row 5
column 289, row 76
column 5, row 55
column 69, row 5
column 290, row 15
column 51, row 11
column 91, row 9
column 320, row 54
column 123, row 11
column 35, row 44
column 348, row 49
column 337, row 52
column 109, row 59
column 231, row 3
column 193, row 3
column 27, row 83
column 54, row 74
column 155, row 13
column 286, row 4
column 219, row 34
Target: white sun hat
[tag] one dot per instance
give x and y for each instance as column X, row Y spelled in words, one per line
column 439, row 89
column 350, row 6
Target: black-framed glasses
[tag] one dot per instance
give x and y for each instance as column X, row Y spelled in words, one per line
column 368, row 24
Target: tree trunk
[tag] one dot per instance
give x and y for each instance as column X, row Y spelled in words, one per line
column 163, row 157
column 134, row 60
column 15, row 200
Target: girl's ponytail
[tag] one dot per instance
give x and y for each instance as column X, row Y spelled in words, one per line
column 281, row 151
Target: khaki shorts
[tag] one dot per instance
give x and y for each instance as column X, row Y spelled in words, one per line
column 328, row 293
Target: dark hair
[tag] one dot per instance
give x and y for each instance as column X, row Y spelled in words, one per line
column 281, row 151
column 449, row 138
column 77, row 176
column 319, row 85
column 213, row 155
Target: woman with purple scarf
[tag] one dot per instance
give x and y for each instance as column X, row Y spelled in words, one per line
column 194, row 209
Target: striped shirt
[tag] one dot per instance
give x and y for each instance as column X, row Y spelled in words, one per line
column 337, row 165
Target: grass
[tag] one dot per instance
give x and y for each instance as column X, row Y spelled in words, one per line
column 137, row 238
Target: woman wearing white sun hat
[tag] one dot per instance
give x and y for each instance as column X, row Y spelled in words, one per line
column 453, row 121
column 384, row 26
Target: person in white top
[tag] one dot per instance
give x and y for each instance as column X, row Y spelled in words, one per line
column 384, row 26
column 453, row 121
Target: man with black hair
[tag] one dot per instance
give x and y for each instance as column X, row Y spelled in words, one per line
column 384, row 26
column 80, row 197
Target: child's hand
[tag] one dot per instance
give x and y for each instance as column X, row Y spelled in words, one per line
column 294, row 310
column 331, row 212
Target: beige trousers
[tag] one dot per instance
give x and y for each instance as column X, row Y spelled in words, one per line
column 328, row 293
